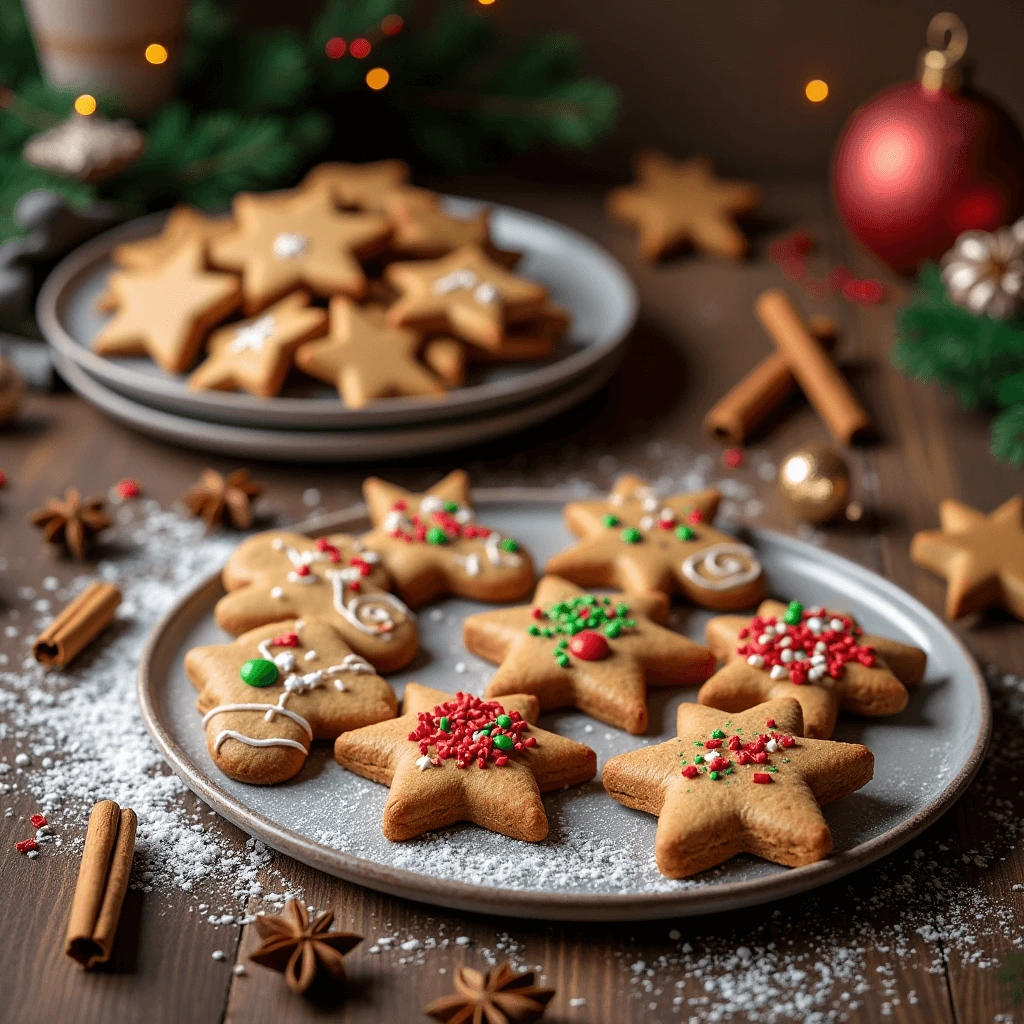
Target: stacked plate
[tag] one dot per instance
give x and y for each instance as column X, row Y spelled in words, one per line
column 309, row 421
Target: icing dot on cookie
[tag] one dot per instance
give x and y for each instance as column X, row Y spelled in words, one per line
column 290, row 245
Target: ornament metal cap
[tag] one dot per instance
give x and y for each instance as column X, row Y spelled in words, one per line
column 939, row 66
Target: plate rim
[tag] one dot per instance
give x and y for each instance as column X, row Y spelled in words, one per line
column 537, row 904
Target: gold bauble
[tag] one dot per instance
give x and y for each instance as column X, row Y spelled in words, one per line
column 12, row 387
column 815, row 482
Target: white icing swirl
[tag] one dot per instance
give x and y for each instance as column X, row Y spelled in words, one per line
column 724, row 566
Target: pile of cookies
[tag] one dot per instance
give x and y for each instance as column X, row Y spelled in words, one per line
column 413, row 294
column 319, row 621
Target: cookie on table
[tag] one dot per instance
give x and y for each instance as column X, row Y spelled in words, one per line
column 432, row 545
column 453, row 757
column 738, row 783
column 183, row 224
column 376, row 186
column 639, row 542
column 268, row 695
column 820, row 658
column 278, row 575
column 596, row 652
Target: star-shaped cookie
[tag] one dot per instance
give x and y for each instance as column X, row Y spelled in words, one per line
column 374, row 186
column 639, row 542
column 678, row 202
column 183, row 224
column 432, row 545
column 738, row 783
column 365, row 359
column 596, row 652
column 506, row 763
column 982, row 556
column 255, row 355
column 818, row 657
column 167, row 310
column 268, row 695
column 279, row 575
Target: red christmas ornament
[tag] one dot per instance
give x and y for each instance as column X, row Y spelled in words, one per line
column 923, row 161
column 589, row 646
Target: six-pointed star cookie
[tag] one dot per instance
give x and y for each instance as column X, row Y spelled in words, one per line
column 678, row 202
column 268, row 695
column 743, row 783
column 374, row 186
column 596, row 652
column 365, row 359
column 982, row 556
column 166, row 310
column 183, row 224
column 255, row 355
column 279, row 575
column 640, row 542
column 432, row 545
column 507, row 762
column 818, row 657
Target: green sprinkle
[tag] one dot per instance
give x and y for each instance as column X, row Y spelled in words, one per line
column 534, row 631
column 503, row 742
column 562, row 660
column 631, row 535
column 698, row 758
column 444, row 725
column 716, row 776
column 259, row 672
column 612, row 630
column 697, row 743
column 610, row 521
column 684, row 533
column 621, row 609
column 785, row 760
column 504, row 721
column 435, row 535
column 794, row 614
column 630, row 623
column 561, row 645
column 718, row 735
column 508, row 544
column 485, row 731
column 771, row 768
column 451, row 506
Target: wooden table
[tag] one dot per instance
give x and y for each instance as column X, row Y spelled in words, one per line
column 695, row 337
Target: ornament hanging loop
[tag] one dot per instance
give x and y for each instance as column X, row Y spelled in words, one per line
column 939, row 65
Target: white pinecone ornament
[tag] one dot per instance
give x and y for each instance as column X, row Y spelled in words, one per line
column 984, row 271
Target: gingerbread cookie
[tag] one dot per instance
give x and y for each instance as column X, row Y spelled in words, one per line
column 425, row 232
column 447, row 358
column 432, row 545
column 982, row 556
column 374, row 186
column 682, row 202
column 268, row 695
column 279, row 575
column 738, row 783
column 819, row 658
column 596, row 652
column 638, row 541
column 183, row 224
column 454, row 757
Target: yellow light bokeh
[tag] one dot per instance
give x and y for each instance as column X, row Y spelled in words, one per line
column 85, row 105
column 816, row 90
column 485, row 3
column 156, row 53
column 377, row 78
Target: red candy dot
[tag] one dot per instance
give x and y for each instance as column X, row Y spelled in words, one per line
column 128, row 488
column 589, row 646
column 695, row 516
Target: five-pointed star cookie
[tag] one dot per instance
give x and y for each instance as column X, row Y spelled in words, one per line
column 982, row 556
column 183, row 224
column 639, row 542
column 279, row 575
column 365, row 359
column 296, row 240
column 678, row 202
column 432, row 545
column 738, row 783
column 596, row 652
column 269, row 694
column 166, row 310
column 374, row 186
column 255, row 355
column 506, row 763
column 424, row 231
column 818, row 657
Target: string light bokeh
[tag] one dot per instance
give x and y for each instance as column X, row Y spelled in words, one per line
column 377, row 78
column 156, row 53
column 85, row 105
column 816, row 90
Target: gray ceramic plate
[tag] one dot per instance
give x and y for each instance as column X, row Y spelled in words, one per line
column 579, row 273
column 597, row 863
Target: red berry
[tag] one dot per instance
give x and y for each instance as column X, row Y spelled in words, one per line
column 589, row 646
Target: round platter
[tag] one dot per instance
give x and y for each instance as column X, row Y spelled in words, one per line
column 579, row 274
column 598, row 861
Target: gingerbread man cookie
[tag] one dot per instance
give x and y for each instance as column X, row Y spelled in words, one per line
column 596, row 652
column 268, row 695
column 455, row 757
column 183, row 224
column 743, row 783
column 639, row 542
column 278, row 575
column 818, row 657
column 431, row 544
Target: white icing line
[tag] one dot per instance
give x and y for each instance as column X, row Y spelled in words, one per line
column 250, row 741
column 272, row 710
column 723, row 563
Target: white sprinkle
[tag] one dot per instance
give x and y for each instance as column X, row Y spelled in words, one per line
column 219, row 954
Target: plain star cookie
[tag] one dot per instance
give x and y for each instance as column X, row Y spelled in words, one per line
column 596, row 652
column 731, row 784
column 279, row 575
column 374, row 186
column 819, row 658
column 268, row 695
column 639, row 542
column 183, row 224
column 454, row 757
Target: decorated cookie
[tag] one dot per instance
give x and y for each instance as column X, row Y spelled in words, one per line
column 183, row 224
column 982, row 556
column 454, row 757
column 738, row 783
column 639, row 542
column 374, row 186
column 268, row 695
column 820, row 658
column 167, row 310
column 432, row 545
column 596, row 652
column 279, row 575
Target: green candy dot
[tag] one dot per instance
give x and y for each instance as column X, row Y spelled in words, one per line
column 562, row 660
column 794, row 614
column 508, row 544
column 631, row 535
column 534, row 631
column 718, row 735
column 259, row 672
column 451, row 506
column 716, row 775
column 698, row 758
column 684, row 533
column 444, row 725
column 435, row 535
column 484, row 732
column 504, row 721
column 621, row 609
column 612, row 630
column 503, row 742
column 610, row 521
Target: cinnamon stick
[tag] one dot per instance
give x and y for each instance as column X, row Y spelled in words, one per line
column 102, row 883
column 78, row 625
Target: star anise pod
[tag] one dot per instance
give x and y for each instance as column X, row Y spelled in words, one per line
column 71, row 521
column 501, row 996
column 216, row 498
column 300, row 947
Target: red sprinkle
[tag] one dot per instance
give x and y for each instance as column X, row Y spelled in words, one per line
column 400, row 506
column 762, row 777
column 467, row 715
column 733, row 457
column 25, row 845
column 355, row 586
column 285, row 640
column 696, row 516
column 690, row 772
column 538, row 613
column 128, row 488
column 712, row 744
column 770, row 723
column 302, row 570
column 38, row 821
